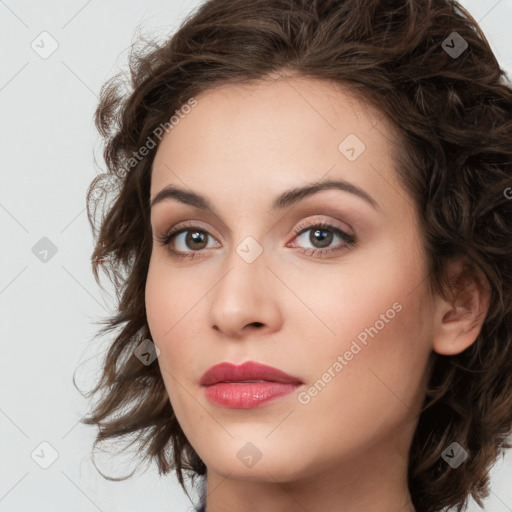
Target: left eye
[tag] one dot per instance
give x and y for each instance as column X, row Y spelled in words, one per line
column 321, row 237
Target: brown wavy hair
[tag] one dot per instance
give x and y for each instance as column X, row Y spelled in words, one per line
column 453, row 147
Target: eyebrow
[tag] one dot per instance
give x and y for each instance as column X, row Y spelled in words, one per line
column 285, row 199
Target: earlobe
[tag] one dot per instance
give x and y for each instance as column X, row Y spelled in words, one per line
column 459, row 318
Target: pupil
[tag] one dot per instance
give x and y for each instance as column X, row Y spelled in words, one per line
column 325, row 239
column 196, row 237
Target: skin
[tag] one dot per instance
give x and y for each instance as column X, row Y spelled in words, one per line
column 347, row 448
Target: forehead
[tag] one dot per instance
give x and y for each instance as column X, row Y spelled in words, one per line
column 273, row 108
column 275, row 134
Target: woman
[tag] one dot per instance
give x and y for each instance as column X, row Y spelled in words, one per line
column 311, row 243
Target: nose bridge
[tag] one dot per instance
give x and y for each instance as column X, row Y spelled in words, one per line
column 245, row 294
column 246, row 256
column 246, row 271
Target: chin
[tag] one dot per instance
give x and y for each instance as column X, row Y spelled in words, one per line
column 243, row 461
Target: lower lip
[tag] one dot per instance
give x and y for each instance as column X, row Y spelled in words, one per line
column 247, row 395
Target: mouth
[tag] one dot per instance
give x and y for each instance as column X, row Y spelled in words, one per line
column 246, row 386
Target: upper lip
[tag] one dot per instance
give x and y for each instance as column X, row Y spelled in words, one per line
column 228, row 372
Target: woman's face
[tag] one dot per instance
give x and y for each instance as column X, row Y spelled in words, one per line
column 346, row 313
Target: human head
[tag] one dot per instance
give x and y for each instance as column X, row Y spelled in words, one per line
column 456, row 178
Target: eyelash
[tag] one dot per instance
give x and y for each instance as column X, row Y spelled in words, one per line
column 350, row 240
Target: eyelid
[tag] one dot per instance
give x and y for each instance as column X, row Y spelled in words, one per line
column 184, row 226
column 301, row 226
column 310, row 223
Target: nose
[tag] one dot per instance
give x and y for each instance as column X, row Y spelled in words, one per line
column 246, row 299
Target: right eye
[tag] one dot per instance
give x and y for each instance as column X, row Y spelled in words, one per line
column 188, row 237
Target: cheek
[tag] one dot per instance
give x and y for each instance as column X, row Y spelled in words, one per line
column 163, row 313
column 366, row 288
column 162, row 302
column 157, row 302
column 363, row 393
column 376, row 317
column 174, row 312
column 170, row 296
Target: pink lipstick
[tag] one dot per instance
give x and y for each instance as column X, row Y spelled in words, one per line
column 246, row 386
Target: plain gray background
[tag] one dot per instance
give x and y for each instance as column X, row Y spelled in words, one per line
column 47, row 145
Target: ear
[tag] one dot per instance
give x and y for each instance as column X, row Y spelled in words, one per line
column 459, row 319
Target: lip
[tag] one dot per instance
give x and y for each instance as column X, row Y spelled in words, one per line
column 228, row 372
column 225, row 384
